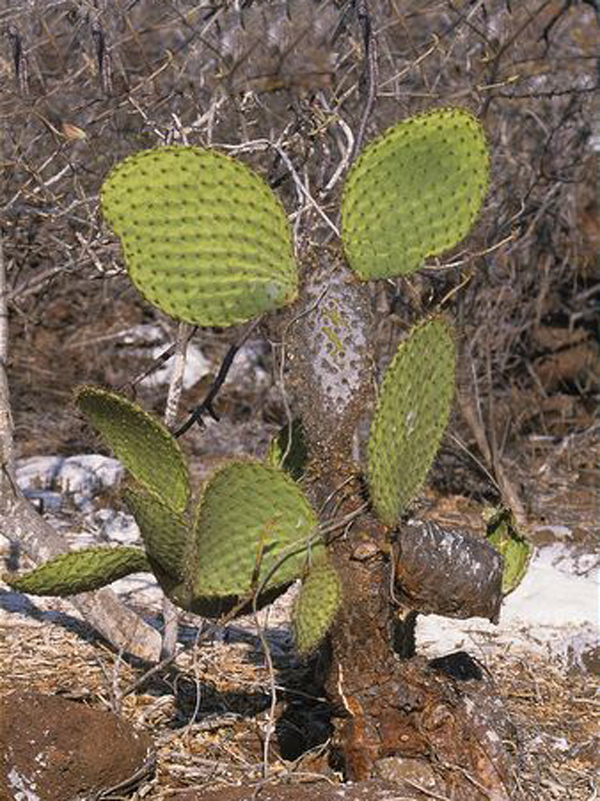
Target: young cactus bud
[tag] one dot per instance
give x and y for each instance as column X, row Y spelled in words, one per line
column 316, row 606
column 504, row 535
column 289, row 451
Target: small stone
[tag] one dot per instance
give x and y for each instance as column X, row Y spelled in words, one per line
column 410, row 774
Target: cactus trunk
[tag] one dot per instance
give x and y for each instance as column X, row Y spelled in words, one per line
column 384, row 702
column 340, row 386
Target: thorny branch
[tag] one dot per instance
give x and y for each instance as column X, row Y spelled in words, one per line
column 369, row 72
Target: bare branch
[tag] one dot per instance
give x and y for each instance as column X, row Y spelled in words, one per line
column 24, row 527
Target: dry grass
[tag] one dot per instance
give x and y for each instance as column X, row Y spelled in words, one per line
column 207, row 715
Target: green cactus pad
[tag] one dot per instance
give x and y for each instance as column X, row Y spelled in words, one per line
column 80, row 571
column 503, row 534
column 316, row 606
column 204, row 237
column 291, row 444
column 250, row 517
column 411, row 414
column 164, row 532
column 144, row 445
column 414, row 193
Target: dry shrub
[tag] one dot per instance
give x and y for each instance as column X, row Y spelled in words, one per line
column 82, row 86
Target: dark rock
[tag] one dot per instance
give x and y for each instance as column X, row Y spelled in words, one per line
column 458, row 665
column 52, row 748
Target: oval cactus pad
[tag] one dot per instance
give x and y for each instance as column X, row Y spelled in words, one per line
column 204, row 237
column 316, row 605
column 80, row 571
column 144, row 445
column 410, row 417
column 250, row 517
column 414, row 192
column 164, row 532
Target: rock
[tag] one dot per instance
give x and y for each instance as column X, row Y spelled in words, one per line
column 52, row 748
column 410, row 774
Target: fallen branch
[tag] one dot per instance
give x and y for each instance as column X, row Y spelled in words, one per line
column 29, row 532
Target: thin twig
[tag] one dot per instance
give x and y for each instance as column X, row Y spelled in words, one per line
column 370, row 70
column 272, row 686
column 184, row 334
column 169, row 610
column 6, row 422
column 207, row 404
column 161, row 359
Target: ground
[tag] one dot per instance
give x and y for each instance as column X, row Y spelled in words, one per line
column 80, row 89
column 208, row 714
column 226, row 686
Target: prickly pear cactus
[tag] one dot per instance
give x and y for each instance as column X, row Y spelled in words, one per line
column 503, row 533
column 164, row 532
column 80, row 571
column 316, row 605
column 204, row 237
column 254, row 527
column 205, row 240
column 411, row 415
column 144, row 445
column 288, row 450
column 414, row 192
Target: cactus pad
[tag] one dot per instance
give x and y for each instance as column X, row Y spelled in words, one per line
column 289, row 451
column 204, row 237
column 144, row 445
column 414, row 193
column 164, row 532
column 410, row 417
column 80, row 571
column 250, row 517
column 503, row 534
column 316, row 605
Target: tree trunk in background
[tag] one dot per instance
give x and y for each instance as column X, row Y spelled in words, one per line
column 28, row 530
column 388, row 706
